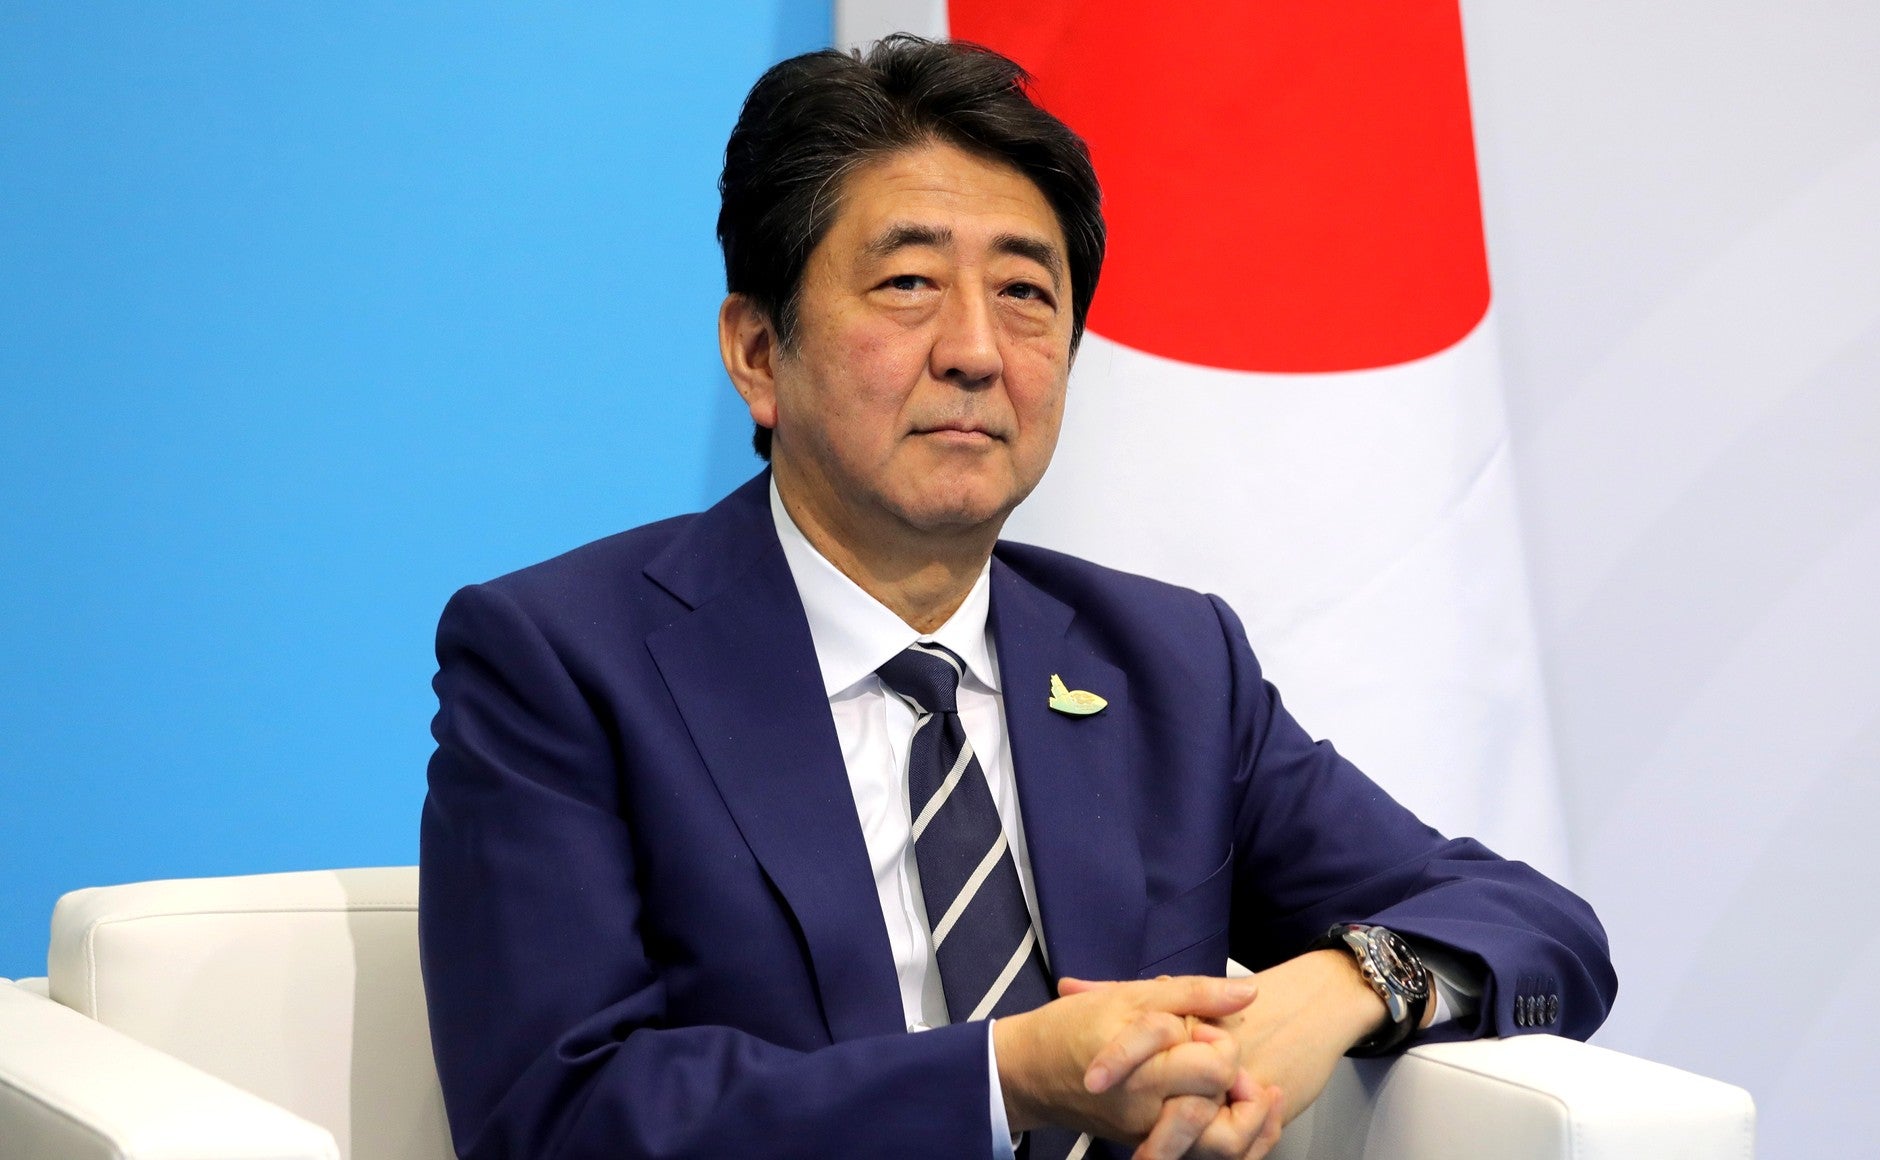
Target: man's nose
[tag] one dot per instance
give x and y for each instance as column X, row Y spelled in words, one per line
column 966, row 349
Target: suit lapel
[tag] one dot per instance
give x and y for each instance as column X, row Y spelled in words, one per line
column 742, row 670
column 1086, row 860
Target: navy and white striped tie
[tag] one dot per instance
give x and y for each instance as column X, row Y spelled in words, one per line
column 990, row 961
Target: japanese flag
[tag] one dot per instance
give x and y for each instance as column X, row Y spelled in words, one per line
column 1289, row 391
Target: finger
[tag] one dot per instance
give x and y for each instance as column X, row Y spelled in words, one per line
column 1182, row 1120
column 1187, row 1069
column 1209, row 1033
column 1246, row 1129
column 1070, row 986
column 1156, row 1031
column 1227, row 1044
column 1141, row 1039
column 1210, row 998
column 1245, row 1088
column 1268, row 1139
column 1277, row 1120
column 1231, row 1134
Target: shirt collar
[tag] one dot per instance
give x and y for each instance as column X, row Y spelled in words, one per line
column 855, row 634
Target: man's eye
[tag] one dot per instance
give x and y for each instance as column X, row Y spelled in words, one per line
column 1028, row 291
column 905, row 282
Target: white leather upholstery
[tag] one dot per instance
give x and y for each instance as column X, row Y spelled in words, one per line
column 302, row 991
column 301, row 988
column 72, row 1089
column 1518, row 1099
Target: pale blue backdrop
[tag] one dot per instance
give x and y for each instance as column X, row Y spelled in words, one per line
column 310, row 314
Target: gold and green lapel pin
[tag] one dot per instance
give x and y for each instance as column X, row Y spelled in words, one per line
column 1076, row 702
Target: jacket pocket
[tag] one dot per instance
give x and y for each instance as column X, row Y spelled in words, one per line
column 1180, row 933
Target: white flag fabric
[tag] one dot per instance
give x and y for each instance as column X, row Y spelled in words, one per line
column 1289, row 392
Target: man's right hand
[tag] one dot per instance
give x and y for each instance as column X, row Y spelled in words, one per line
column 1190, row 1088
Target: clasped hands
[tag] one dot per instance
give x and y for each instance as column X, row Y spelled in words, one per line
column 1140, row 1062
column 1199, row 1067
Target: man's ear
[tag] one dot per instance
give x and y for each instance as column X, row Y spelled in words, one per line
column 747, row 341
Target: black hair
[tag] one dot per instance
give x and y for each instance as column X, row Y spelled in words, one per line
column 811, row 120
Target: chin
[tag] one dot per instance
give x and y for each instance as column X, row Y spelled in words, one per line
column 943, row 501
column 957, row 513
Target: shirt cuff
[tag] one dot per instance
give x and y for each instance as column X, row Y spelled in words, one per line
column 1457, row 986
column 1004, row 1144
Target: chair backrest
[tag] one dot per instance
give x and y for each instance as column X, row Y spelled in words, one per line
column 301, row 988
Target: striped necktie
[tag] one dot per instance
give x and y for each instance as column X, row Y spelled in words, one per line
column 990, row 961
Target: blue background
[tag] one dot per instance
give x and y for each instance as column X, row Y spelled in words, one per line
column 310, row 314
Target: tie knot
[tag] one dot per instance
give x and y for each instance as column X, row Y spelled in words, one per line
column 926, row 674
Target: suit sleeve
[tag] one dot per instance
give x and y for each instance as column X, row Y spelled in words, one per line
column 1317, row 843
column 547, row 1009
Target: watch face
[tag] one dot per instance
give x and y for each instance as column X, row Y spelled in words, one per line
column 1398, row 963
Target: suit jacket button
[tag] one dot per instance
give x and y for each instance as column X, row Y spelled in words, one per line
column 1553, row 1008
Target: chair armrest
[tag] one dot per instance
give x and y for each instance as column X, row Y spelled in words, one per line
column 73, row 1089
column 1532, row 1097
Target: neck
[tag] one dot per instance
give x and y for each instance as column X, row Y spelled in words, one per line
column 922, row 576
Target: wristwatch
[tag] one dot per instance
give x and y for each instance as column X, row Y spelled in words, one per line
column 1394, row 972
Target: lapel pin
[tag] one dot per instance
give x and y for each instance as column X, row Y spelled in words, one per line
column 1076, row 702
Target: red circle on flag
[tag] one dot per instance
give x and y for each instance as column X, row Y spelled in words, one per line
column 1289, row 186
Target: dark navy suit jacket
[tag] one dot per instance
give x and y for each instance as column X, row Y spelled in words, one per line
column 648, row 919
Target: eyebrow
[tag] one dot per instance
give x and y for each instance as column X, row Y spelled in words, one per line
column 903, row 235
column 1041, row 252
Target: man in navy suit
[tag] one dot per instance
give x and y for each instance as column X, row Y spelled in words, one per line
column 679, row 897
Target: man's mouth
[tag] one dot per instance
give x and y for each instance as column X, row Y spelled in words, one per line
column 965, row 432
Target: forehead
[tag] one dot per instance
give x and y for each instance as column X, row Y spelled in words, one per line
column 975, row 198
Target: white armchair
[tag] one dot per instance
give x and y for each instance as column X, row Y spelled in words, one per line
column 281, row 1017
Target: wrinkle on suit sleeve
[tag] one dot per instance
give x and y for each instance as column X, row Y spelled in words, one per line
column 1317, row 842
column 549, row 1013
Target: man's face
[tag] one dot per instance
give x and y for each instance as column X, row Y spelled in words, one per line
column 926, row 381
